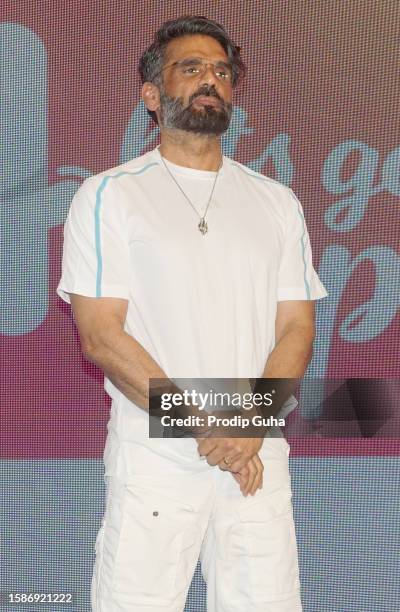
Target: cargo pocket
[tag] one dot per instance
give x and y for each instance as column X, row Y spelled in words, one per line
column 157, row 531
column 264, row 538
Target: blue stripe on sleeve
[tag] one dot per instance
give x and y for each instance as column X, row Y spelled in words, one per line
column 265, row 178
column 97, row 221
column 306, row 284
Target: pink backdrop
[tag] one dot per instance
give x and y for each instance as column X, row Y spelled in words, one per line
column 317, row 111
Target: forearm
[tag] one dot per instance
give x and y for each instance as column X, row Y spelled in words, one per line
column 126, row 363
column 129, row 367
column 291, row 355
column 286, row 365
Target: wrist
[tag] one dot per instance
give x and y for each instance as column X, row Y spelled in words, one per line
column 254, row 430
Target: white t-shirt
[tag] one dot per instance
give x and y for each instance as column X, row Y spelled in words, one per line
column 201, row 305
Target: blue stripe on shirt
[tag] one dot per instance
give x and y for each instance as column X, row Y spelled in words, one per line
column 97, row 233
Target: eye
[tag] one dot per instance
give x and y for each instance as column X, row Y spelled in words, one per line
column 190, row 69
column 223, row 74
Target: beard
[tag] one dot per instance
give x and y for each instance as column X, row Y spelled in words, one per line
column 206, row 120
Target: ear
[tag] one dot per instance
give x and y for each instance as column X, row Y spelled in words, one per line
column 151, row 96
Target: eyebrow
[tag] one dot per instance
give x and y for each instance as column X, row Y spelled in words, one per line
column 192, row 60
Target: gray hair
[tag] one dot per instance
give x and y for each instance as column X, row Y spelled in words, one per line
column 152, row 60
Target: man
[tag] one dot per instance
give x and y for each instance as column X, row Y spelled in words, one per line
column 182, row 264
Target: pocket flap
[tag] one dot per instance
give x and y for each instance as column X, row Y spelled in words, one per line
column 151, row 494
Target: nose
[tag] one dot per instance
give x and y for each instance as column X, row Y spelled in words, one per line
column 208, row 74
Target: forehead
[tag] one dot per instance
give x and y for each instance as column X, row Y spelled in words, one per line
column 196, row 45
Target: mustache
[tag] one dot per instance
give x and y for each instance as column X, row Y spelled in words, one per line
column 178, row 115
column 174, row 108
column 209, row 92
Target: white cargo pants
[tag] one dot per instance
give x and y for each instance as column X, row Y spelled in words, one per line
column 163, row 514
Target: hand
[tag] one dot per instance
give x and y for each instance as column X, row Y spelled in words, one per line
column 238, row 450
column 250, row 478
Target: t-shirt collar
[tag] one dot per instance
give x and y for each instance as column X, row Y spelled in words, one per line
column 184, row 170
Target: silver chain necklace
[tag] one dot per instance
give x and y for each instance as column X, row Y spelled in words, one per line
column 203, row 227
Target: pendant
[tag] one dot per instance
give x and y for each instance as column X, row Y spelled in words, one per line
column 203, row 226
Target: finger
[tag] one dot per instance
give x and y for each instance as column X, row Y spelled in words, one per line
column 239, row 463
column 254, row 480
column 206, row 446
column 241, row 478
column 215, row 454
column 215, row 449
column 241, row 457
column 252, row 477
column 260, row 471
column 258, row 482
column 236, row 477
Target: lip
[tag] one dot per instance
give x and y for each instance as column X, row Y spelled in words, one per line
column 207, row 101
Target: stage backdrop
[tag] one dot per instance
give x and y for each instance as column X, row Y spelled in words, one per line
column 318, row 112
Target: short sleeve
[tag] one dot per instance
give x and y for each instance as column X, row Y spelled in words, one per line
column 297, row 279
column 95, row 259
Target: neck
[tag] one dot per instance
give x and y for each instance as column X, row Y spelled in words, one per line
column 197, row 151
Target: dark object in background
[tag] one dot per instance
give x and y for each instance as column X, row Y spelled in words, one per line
column 374, row 401
column 368, row 402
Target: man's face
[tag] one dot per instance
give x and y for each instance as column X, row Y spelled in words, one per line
column 197, row 100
